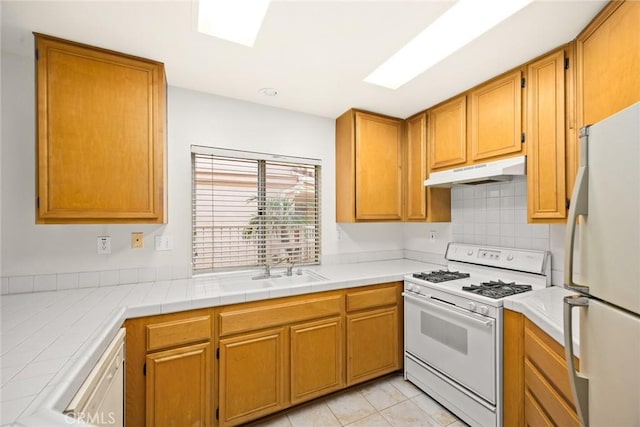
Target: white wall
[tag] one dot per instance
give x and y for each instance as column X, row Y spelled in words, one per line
column 193, row 118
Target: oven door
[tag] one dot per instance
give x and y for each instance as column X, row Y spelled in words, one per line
column 456, row 342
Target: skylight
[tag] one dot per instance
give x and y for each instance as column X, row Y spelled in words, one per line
column 462, row 23
column 237, row 21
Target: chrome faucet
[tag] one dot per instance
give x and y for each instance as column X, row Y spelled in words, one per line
column 289, row 271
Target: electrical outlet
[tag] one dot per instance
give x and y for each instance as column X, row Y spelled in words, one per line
column 137, row 239
column 164, row 243
column 432, row 235
column 104, row 245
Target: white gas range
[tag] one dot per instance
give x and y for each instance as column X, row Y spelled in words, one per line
column 453, row 325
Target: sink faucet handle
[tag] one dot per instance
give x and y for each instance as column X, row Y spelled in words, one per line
column 289, row 271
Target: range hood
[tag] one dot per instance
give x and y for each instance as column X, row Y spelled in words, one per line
column 500, row 170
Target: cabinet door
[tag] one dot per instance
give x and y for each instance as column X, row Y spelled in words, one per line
column 608, row 53
column 448, row 134
column 378, row 167
column 100, row 136
column 316, row 359
column 546, row 139
column 252, row 376
column 496, row 118
column 179, row 387
column 416, row 169
column 372, row 344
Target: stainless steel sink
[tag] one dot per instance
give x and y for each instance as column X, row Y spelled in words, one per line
column 247, row 281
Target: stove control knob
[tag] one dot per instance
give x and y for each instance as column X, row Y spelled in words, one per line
column 484, row 309
column 470, row 252
column 510, row 257
column 472, row 306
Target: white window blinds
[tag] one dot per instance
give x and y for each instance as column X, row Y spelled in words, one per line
column 252, row 209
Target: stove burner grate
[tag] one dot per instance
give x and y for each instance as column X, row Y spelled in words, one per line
column 497, row 289
column 441, row 276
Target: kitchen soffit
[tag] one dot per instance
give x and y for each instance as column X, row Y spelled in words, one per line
column 315, row 53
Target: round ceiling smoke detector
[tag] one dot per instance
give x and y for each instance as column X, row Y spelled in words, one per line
column 268, row 91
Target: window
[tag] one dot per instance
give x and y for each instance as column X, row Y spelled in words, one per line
column 253, row 209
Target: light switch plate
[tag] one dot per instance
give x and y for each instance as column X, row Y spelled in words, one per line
column 164, row 243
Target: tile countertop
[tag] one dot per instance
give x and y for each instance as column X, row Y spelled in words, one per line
column 544, row 307
column 50, row 341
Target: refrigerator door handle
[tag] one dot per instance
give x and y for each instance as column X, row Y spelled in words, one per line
column 579, row 206
column 579, row 383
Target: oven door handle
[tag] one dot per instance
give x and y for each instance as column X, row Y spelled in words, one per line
column 425, row 300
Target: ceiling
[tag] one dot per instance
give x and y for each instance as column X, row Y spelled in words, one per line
column 315, row 53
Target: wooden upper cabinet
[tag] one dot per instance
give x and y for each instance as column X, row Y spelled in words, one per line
column 421, row 203
column 496, row 118
column 368, row 167
column 546, row 138
column 448, row 134
column 100, row 135
column 608, row 54
column 416, row 170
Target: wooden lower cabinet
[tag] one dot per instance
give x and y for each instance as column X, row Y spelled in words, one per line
column 373, row 331
column 372, row 344
column 252, row 369
column 536, row 380
column 230, row 365
column 179, row 387
column 170, row 380
column 316, row 359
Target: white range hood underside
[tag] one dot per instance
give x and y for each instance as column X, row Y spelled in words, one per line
column 500, row 170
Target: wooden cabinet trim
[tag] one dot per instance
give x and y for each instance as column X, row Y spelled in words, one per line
column 178, row 332
column 513, row 374
column 266, row 314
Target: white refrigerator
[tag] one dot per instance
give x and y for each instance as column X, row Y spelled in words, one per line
column 605, row 241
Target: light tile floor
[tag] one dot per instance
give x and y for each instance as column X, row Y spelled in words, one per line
column 388, row 401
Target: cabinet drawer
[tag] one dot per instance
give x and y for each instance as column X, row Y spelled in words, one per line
column 535, row 416
column 249, row 317
column 178, row 332
column 558, row 409
column 371, row 298
column 548, row 356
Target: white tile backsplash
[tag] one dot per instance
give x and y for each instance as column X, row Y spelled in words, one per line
column 67, row 281
column 109, row 277
column 20, row 284
column 88, row 279
column 92, row 279
column 496, row 214
column 45, row 282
